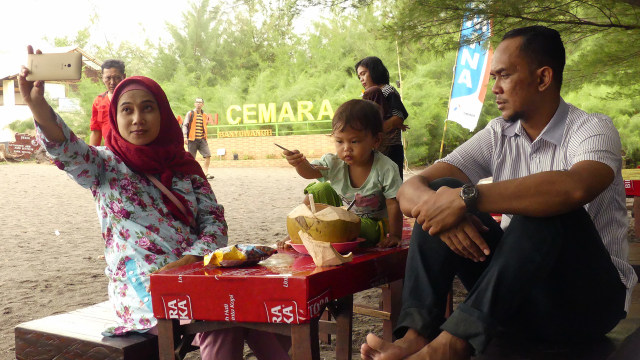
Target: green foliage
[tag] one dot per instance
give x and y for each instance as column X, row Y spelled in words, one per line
column 137, row 59
column 78, row 123
column 425, row 95
column 23, row 126
column 86, row 91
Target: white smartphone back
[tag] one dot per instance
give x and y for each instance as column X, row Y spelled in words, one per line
column 63, row 66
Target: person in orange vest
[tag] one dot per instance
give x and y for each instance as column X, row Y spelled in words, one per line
column 194, row 130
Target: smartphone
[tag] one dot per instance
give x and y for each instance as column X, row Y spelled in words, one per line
column 63, row 66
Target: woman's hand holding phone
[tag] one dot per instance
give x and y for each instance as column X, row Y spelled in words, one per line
column 31, row 91
column 33, row 95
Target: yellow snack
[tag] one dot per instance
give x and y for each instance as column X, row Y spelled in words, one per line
column 236, row 255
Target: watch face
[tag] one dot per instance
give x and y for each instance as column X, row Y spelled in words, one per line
column 469, row 191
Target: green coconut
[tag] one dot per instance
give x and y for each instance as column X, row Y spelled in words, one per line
column 329, row 223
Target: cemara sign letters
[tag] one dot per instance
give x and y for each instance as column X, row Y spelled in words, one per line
column 302, row 110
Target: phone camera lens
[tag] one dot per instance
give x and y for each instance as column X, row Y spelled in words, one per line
column 69, row 65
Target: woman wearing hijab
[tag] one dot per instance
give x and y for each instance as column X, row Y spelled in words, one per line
column 156, row 209
column 374, row 77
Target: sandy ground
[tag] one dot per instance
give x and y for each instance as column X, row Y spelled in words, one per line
column 43, row 273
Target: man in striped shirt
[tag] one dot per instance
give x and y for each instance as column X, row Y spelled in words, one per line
column 194, row 130
column 556, row 268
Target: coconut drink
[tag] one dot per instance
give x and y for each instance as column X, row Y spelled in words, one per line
column 328, row 223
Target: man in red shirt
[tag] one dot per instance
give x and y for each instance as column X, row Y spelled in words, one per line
column 112, row 74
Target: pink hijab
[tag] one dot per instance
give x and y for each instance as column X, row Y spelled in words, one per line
column 165, row 156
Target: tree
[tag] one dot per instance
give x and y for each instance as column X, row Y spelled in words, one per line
column 235, row 52
column 604, row 32
column 197, row 39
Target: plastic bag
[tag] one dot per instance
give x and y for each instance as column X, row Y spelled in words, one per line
column 239, row 255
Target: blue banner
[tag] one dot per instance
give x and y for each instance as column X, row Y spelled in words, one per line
column 471, row 73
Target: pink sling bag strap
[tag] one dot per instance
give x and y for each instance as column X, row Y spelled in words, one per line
column 172, row 197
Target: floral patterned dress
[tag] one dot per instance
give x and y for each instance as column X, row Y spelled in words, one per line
column 140, row 234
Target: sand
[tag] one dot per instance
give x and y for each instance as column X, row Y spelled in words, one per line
column 51, row 244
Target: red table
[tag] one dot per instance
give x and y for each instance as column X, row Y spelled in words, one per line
column 284, row 294
column 632, row 187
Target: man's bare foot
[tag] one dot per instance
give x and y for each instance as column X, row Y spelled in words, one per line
column 378, row 349
column 444, row 347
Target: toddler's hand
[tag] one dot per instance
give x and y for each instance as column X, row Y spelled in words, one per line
column 282, row 244
column 294, row 157
column 389, row 241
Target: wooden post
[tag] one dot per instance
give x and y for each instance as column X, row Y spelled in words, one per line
column 166, row 345
column 344, row 335
column 304, row 341
column 636, row 215
column 391, row 303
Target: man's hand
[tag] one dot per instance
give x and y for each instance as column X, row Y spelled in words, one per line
column 465, row 240
column 439, row 211
column 185, row 260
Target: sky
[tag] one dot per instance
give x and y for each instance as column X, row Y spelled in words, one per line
column 26, row 22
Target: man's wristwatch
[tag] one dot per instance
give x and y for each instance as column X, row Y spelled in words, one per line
column 469, row 195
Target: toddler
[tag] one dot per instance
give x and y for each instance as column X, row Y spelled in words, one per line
column 358, row 173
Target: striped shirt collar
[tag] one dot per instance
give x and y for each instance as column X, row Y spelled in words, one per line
column 552, row 132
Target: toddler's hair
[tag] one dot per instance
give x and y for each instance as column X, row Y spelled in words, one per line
column 360, row 115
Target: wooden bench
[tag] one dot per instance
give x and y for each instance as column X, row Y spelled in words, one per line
column 77, row 335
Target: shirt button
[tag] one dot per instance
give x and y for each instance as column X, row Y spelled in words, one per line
column 146, row 299
column 131, row 272
column 133, row 280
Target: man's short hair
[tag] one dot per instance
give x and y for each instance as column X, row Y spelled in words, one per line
column 541, row 46
column 199, row 100
column 378, row 72
column 113, row 63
